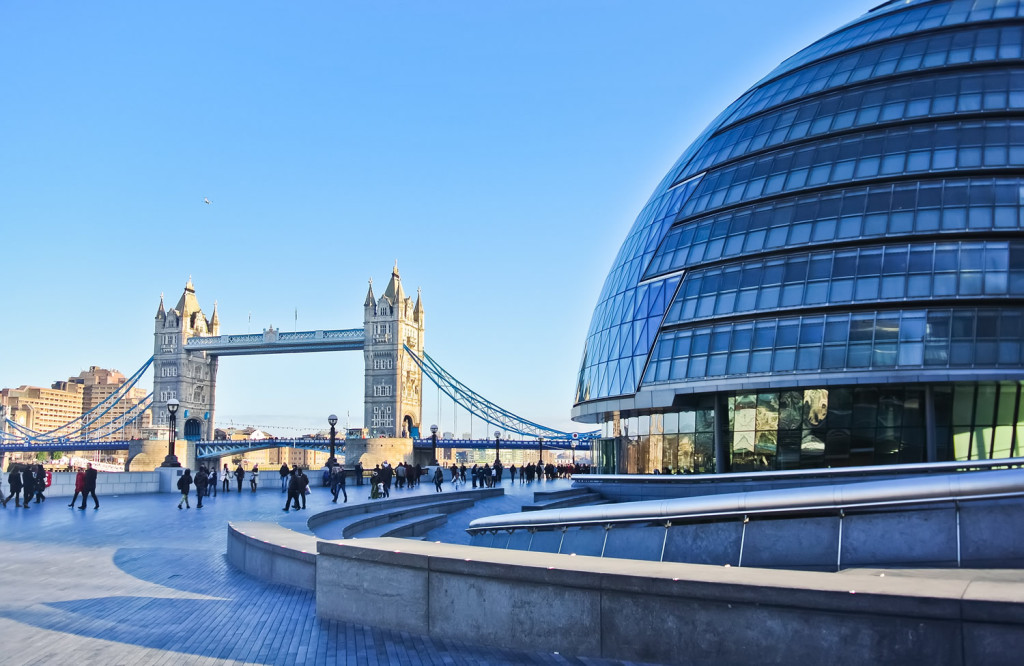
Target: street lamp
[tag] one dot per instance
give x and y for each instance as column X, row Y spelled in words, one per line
column 172, row 434
column 433, row 445
column 540, row 449
column 497, row 446
column 333, row 420
column 573, row 445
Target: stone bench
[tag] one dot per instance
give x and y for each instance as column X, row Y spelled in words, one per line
column 273, row 553
column 411, row 527
column 403, row 513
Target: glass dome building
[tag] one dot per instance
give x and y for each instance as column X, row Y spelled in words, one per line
column 833, row 273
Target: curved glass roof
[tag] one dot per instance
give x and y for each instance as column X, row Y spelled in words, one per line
column 862, row 203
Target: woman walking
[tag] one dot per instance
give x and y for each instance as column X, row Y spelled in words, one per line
column 79, row 486
column 253, row 478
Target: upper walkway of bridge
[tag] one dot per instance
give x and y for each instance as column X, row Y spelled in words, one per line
column 273, row 341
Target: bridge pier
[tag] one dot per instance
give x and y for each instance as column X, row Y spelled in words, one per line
column 376, row 450
column 146, row 455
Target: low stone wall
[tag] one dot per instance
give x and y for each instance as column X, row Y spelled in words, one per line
column 665, row 612
column 273, row 553
column 62, row 484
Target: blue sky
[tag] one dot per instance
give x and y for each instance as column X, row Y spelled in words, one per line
column 498, row 150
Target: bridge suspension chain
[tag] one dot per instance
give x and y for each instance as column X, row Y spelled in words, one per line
column 484, row 409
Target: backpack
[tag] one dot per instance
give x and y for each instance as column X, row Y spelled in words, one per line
column 181, row 483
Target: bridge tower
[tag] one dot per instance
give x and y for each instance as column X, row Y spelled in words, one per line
column 393, row 403
column 188, row 376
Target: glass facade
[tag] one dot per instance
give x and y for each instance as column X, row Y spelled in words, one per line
column 833, row 273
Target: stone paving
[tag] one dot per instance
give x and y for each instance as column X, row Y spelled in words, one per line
column 140, row 582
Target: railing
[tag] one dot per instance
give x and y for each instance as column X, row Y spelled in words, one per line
column 828, row 499
column 803, row 474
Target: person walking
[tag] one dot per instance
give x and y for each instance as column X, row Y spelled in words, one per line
column 89, row 488
column 226, row 478
column 293, row 490
column 239, row 476
column 213, row 481
column 338, row 483
column 14, row 479
column 285, row 476
column 28, row 486
column 438, row 479
column 202, row 480
column 79, row 486
column 359, row 474
column 303, row 487
column 184, row 485
column 40, row 484
column 254, row 477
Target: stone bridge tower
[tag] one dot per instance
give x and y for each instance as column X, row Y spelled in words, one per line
column 189, row 376
column 393, row 401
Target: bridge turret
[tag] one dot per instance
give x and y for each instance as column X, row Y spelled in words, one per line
column 394, row 382
column 187, row 376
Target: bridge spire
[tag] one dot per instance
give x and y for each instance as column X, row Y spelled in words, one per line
column 160, row 312
column 417, row 311
column 370, row 300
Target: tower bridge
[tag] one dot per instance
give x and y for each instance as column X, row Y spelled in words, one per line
column 188, row 345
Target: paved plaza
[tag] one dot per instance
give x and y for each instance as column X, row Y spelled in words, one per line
column 140, row 582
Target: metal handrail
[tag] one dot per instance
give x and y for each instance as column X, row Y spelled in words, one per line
column 776, row 475
column 810, row 499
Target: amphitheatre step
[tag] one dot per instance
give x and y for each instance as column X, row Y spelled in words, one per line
column 412, row 527
column 401, row 513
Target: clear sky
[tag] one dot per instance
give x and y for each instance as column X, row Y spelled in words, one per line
column 499, row 151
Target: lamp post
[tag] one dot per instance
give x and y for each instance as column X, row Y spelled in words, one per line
column 540, row 449
column 433, row 445
column 333, row 421
column 497, row 446
column 172, row 434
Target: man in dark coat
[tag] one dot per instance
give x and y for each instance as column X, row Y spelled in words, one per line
column 90, row 486
column 14, row 478
column 338, row 482
column 294, row 487
column 28, row 485
column 239, row 476
column 285, row 477
column 201, row 481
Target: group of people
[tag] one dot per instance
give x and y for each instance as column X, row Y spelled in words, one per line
column 382, row 476
column 205, row 482
column 31, row 481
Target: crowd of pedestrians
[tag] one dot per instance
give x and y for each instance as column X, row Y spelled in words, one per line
column 29, row 482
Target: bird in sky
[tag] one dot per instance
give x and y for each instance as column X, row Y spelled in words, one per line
column 206, row 201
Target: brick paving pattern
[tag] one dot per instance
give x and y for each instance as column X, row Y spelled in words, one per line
column 139, row 582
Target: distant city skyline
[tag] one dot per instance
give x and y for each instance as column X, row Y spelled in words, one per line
column 283, row 156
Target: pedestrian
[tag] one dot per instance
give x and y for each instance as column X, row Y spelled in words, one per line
column 359, row 474
column 304, row 487
column 386, row 473
column 294, row 484
column 201, row 481
column 239, row 476
column 512, row 474
column 338, row 483
column 28, row 486
column 89, row 487
column 213, row 481
column 184, row 485
column 226, row 478
column 254, row 477
column 79, row 486
column 14, row 479
column 438, row 479
column 285, row 475
column 400, row 473
column 40, row 483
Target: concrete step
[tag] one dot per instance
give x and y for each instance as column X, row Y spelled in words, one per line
column 413, row 526
column 579, row 500
column 544, row 495
column 361, row 525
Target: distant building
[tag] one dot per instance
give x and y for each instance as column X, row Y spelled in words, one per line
column 97, row 385
column 43, row 409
